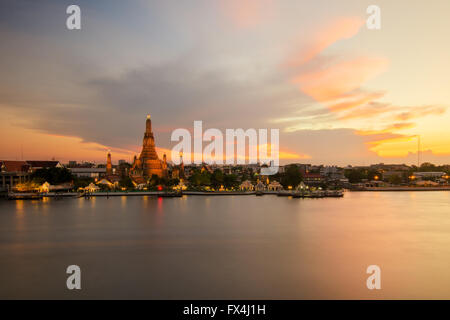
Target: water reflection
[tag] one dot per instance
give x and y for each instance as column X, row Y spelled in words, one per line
column 123, row 201
column 244, row 247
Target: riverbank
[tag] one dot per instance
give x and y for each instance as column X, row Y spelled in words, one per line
column 442, row 188
column 31, row 195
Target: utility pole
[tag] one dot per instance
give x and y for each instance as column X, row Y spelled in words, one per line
column 418, row 151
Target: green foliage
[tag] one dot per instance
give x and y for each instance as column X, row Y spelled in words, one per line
column 199, row 178
column 290, row 177
column 217, row 179
column 355, row 175
column 429, row 167
column 52, row 175
column 154, row 180
column 372, row 174
column 172, row 182
column 82, row 182
column 395, row 179
column 126, row 182
column 230, row 181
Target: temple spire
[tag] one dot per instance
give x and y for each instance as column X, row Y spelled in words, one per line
column 109, row 164
column 148, row 125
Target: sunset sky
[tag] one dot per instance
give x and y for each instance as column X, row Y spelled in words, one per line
column 338, row 92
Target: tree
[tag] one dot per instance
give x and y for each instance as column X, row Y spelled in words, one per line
column 154, row 180
column 217, row 178
column 374, row 175
column 82, row 182
column 126, row 182
column 291, row 176
column 52, row 176
column 230, row 181
column 395, row 179
column 199, row 178
column 355, row 175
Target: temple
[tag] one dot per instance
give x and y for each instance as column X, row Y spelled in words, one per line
column 148, row 163
column 109, row 170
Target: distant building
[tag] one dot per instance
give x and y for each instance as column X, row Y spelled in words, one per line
column 430, row 174
column 389, row 167
column 246, row 186
column 35, row 165
column 260, row 186
column 313, row 178
column 109, row 168
column 72, row 163
column 274, row 186
column 13, row 172
column 88, row 172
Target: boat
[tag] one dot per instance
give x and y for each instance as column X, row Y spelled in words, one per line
column 317, row 194
column 171, row 194
column 334, row 193
column 259, row 193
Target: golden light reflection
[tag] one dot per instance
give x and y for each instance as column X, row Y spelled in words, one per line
column 123, row 201
column 81, row 203
column 145, row 201
column 19, row 206
column 93, row 201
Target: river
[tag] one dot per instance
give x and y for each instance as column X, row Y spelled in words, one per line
column 227, row 247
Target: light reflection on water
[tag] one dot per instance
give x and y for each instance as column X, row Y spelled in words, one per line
column 228, row 247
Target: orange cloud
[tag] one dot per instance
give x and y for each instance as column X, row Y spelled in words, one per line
column 393, row 145
column 369, row 110
column 343, row 28
column 417, row 112
column 354, row 100
column 388, row 129
column 340, row 79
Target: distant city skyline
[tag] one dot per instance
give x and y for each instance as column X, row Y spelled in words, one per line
column 339, row 93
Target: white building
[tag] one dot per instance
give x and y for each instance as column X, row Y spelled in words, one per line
column 88, row 172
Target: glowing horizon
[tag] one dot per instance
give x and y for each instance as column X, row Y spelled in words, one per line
column 339, row 93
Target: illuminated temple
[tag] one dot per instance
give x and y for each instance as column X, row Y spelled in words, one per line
column 148, row 163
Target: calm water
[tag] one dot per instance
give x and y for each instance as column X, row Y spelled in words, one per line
column 228, row 247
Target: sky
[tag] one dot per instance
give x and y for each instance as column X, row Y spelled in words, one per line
column 338, row 92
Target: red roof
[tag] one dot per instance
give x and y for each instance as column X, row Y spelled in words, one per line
column 42, row 164
column 15, row 166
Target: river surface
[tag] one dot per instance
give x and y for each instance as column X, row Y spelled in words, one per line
column 227, row 247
